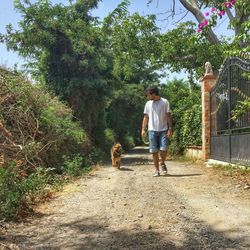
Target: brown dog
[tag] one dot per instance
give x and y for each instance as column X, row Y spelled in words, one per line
column 116, row 152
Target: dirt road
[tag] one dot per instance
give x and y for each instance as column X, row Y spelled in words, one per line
column 190, row 208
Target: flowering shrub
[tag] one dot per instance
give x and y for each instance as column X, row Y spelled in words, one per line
column 215, row 12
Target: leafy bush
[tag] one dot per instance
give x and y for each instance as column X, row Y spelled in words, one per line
column 37, row 134
column 110, row 138
column 17, row 189
column 59, row 118
column 125, row 113
column 41, row 126
column 242, row 108
column 186, row 114
column 74, row 166
column 97, row 155
column 175, row 147
column 128, row 142
column 191, row 130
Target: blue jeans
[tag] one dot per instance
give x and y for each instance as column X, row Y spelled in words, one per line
column 157, row 141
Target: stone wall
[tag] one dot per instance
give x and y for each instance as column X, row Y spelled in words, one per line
column 194, row 153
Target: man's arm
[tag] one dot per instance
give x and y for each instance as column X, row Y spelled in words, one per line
column 144, row 124
column 170, row 124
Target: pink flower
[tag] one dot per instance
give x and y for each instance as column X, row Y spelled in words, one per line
column 213, row 9
column 205, row 23
column 221, row 12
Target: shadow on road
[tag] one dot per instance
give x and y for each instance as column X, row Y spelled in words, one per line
column 139, row 150
column 180, row 175
column 91, row 233
column 125, row 169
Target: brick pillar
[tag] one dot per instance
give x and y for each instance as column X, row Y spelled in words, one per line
column 208, row 82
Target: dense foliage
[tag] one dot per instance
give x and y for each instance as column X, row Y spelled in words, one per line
column 68, row 54
column 183, row 49
column 87, row 65
column 38, row 139
column 186, row 109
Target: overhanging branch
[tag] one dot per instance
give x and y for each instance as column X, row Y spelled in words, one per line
column 192, row 6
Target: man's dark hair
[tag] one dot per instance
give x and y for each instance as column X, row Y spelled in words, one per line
column 152, row 90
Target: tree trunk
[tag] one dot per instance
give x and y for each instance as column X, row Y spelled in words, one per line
column 241, row 16
column 192, row 6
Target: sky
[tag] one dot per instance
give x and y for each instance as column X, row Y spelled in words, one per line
column 8, row 15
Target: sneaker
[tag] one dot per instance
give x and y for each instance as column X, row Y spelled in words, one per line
column 164, row 168
column 156, row 174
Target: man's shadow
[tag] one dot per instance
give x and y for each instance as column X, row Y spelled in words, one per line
column 125, row 169
column 180, row 175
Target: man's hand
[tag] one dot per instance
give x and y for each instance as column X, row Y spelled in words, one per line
column 144, row 125
column 143, row 133
column 170, row 133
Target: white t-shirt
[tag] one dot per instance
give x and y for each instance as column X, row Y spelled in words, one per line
column 157, row 113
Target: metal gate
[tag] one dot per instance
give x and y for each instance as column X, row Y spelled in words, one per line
column 230, row 138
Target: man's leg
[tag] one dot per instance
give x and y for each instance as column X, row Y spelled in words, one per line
column 163, row 155
column 156, row 161
column 163, row 150
column 154, row 148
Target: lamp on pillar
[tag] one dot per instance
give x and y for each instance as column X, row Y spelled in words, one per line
column 208, row 69
column 208, row 82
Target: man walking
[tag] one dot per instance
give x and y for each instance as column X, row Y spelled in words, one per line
column 158, row 118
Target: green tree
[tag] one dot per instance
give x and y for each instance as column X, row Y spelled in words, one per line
column 182, row 49
column 125, row 113
column 238, row 20
column 65, row 45
column 135, row 42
